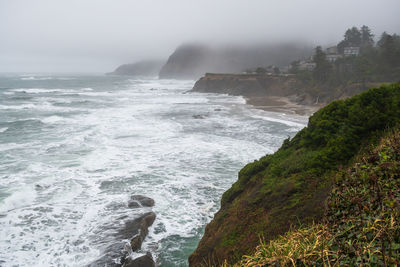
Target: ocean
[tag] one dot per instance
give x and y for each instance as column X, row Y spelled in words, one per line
column 74, row 148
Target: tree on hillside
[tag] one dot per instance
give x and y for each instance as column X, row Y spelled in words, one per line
column 294, row 66
column 261, row 70
column 323, row 67
column 352, row 37
column 367, row 38
column 389, row 48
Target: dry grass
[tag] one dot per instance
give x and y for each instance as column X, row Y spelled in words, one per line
column 302, row 246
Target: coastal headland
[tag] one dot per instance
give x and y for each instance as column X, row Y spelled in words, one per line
column 277, row 93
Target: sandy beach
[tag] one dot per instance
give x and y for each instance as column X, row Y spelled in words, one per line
column 282, row 104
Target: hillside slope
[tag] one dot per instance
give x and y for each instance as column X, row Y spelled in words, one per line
column 292, row 185
column 361, row 224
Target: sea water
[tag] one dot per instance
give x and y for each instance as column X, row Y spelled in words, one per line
column 74, row 148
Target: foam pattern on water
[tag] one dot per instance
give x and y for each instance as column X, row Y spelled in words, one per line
column 73, row 149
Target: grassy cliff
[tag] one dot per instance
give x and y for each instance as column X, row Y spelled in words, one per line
column 361, row 224
column 291, row 186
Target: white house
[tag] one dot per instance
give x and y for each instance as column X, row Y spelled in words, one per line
column 306, row 65
column 351, row 51
column 333, row 57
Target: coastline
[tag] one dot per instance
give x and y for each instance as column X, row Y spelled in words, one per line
column 281, row 104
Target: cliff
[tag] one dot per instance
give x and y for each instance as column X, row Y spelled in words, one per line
column 292, row 185
column 253, row 86
column 191, row 61
column 141, row 68
column 248, row 85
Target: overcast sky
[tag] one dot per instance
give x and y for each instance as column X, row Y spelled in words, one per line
column 98, row 35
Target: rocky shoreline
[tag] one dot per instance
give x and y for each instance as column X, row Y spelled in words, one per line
column 275, row 93
column 135, row 231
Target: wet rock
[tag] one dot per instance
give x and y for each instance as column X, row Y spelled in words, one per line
column 133, row 227
column 113, row 252
column 143, row 261
column 136, row 242
column 146, row 222
column 199, row 116
column 136, row 230
column 138, row 201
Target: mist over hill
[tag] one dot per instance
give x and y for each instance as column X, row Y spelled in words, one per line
column 141, row 68
column 191, row 61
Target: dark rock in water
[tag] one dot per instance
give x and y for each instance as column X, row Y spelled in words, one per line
column 134, row 204
column 137, row 226
column 146, row 222
column 136, row 230
column 136, row 242
column 143, row 261
column 138, row 201
column 199, row 116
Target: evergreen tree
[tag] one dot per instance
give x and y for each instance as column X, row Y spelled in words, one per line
column 352, row 37
column 367, row 38
column 389, row 46
column 323, row 67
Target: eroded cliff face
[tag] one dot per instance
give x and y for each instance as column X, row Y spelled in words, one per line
column 247, row 85
column 264, row 85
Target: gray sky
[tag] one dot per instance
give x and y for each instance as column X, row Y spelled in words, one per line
column 98, row 35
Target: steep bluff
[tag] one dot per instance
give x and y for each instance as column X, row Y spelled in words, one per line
column 292, row 185
column 288, row 85
column 247, row 85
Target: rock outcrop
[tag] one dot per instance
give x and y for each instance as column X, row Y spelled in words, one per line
column 138, row 201
column 248, row 85
column 266, row 85
column 134, row 230
column 143, row 261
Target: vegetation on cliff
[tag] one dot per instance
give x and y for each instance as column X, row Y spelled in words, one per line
column 361, row 224
column 292, row 185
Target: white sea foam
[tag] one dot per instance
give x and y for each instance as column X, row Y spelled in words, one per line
column 10, row 146
column 2, row 130
column 65, row 174
column 35, row 78
column 17, row 107
column 9, row 93
column 286, row 122
column 22, row 198
column 52, row 119
column 42, row 90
